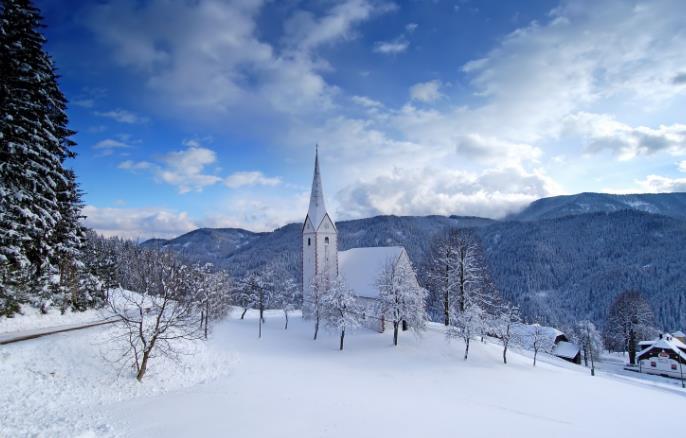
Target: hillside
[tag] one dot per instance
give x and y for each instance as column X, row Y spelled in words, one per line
column 572, row 267
column 556, row 264
column 666, row 204
column 287, row 385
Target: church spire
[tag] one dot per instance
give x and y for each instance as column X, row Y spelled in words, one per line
column 317, row 209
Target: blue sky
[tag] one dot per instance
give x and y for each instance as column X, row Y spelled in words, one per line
column 206, row 113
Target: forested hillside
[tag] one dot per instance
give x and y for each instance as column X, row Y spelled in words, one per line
column 557, row 270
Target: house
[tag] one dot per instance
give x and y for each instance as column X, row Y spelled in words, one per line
column 561, row 346
column 664, row 356
column 359, row 267
column 680, row 336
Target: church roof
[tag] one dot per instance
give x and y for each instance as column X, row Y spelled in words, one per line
column 317, row 210
column 360, row 267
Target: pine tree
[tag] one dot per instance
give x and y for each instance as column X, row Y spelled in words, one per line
column 39, row 198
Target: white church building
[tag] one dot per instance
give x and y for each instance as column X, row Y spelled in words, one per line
column 359, row 267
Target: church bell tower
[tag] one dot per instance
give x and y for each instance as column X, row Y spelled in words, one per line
column 319, row 238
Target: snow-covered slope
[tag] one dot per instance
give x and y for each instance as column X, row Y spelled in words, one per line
column 287, row 385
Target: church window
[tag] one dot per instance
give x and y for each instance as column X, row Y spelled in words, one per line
column 309, row 241
column 326, row 240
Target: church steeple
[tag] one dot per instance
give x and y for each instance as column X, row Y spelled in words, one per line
column 319, row 239
column 317, row 210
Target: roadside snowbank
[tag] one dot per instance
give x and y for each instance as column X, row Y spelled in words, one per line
column 56, row 386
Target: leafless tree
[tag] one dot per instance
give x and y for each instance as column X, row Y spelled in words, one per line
column 630, row 317
column 156, row 320
column 540, row 340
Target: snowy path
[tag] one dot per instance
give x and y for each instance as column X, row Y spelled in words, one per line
column 288, row 385
column 24, row 335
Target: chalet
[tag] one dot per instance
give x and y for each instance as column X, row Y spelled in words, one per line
column 664, row 356
column 561, row 346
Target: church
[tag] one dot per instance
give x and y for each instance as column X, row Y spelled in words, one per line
column 359, row 267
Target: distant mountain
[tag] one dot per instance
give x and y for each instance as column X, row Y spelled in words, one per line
column 208, row 245
column 561, row 259
column 572, row 267
column 667, row 204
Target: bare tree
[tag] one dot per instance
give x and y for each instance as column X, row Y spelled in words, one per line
column 630, row 316
column 156, row 320
column 455, row 263
column 585, row 334
column 503, row 325
column 321, row 284
column 340, row 309
column 540, row 340
column 403, row 301
column 210, row 293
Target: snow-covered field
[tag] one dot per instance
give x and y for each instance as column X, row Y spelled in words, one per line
column 287, row 385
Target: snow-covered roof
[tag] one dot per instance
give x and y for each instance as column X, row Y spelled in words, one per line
column 525, row 332
column 317, row 210
column 665, row 336
column 664, row 344
column 679, row 334
column 566, row 350
column 360, row 267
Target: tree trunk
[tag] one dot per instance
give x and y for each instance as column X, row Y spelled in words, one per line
column 316, row 328
column 396, row 324
column 585, row 355
column 466, row 349
column 535, row 354
column 245, row 310
column 144, row 366
column 286, row 315
column 259, row 325
column 342, row 336
column 505, row 355
column 632, row 347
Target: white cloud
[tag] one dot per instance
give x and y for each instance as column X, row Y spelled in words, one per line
column 493, row 193
column 682, row 166
column 137, row 223
column 254, row 178
column 185, row 169
column 136, row 165
column 366, row 102
column 605, row 132
column 122, row 116
column 109, row 145
column 411, row 27
column 392, row 47
column 199, row 55
column 426, row 91
column 660, row 184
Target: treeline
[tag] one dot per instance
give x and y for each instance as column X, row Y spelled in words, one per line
column 41, row 240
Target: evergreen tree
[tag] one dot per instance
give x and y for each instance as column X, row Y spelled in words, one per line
column 40, row 236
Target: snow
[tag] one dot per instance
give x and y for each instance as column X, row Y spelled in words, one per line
column 32, row 319
column 285, row 384
column 566, row 350
column 360, row 267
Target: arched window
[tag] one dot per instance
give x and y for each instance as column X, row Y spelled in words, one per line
column 326, row 240
column 309, row 241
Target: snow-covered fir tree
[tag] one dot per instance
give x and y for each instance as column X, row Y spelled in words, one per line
column 340, row 309
column 40, row 237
